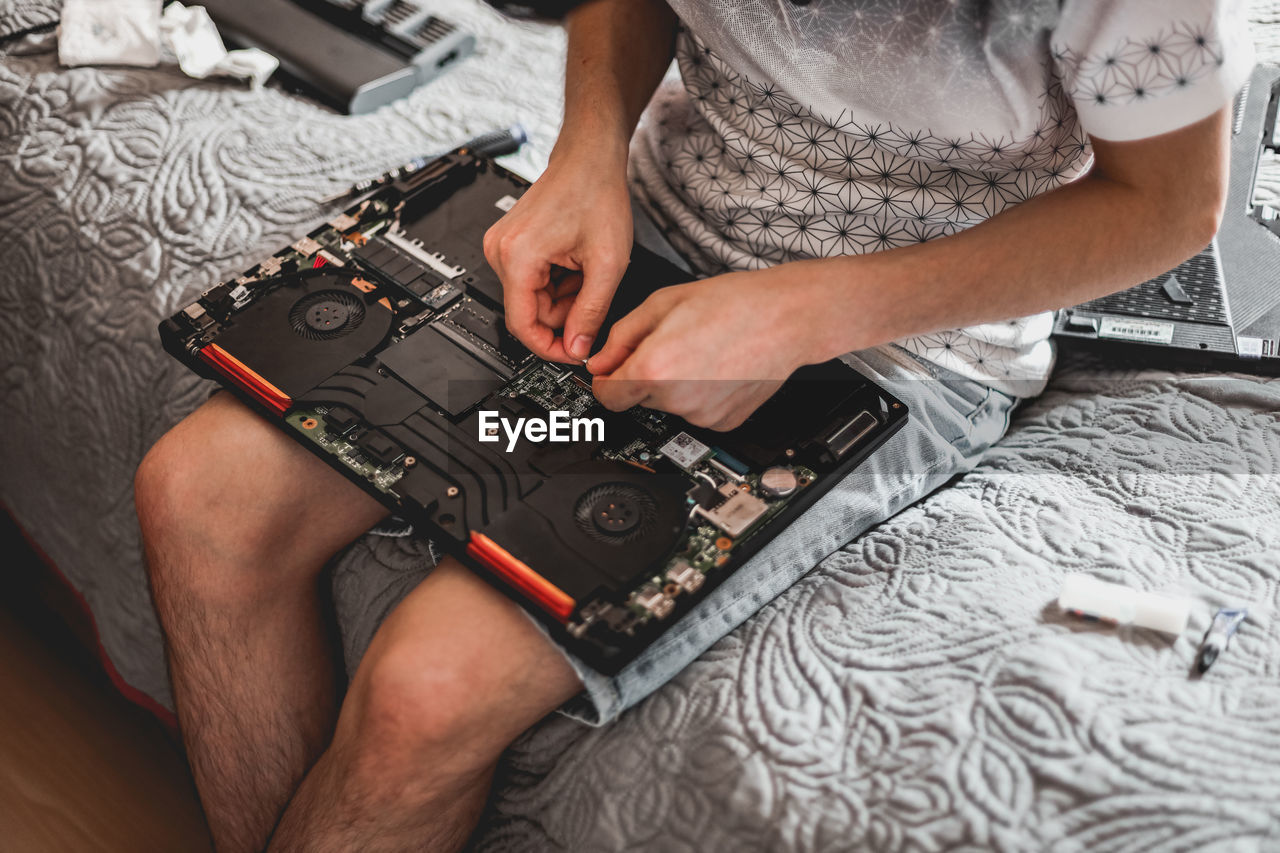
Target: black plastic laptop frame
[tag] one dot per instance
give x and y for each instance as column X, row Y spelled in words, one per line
column 1239, row 271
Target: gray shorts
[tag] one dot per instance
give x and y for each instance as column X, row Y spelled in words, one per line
column 953, row 421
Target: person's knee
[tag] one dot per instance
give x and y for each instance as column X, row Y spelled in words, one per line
column 163, row 495
column 167, row 505
column 452, row 677
column 188, row 551
column 419, row 722
column 208, row 522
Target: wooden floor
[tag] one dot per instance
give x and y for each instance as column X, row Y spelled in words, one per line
column 81, row 768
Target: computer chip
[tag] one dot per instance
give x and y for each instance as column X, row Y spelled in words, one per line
column 736, row 515
column 441, row 296
column 685, row 450
column 379, row 448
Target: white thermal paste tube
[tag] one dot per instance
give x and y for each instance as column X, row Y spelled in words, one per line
column 1089, row 598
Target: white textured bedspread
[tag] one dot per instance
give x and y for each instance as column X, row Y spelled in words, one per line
column 914, row 692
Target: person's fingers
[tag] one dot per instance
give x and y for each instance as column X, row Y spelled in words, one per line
column 568, row 283
column 600, row 276
column 624, row 337
column 618, row 395
column 545, row 301
column 526, row 273
column 524, row 283
column 647, row 376
column 555, row 351
column 555, row 301
column 552, row 312
column 492, row 238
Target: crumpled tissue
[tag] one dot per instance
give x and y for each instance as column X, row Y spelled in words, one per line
column 109, row 32
column 134, row 32
column 190, row 34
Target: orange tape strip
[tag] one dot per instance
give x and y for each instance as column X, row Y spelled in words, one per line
column 543, row 592
column 236, row 370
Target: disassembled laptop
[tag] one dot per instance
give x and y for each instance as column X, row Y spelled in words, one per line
column 1221, row 308
column 378, row 342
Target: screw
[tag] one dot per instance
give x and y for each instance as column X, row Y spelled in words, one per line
column 452, row 491
column 410, row 461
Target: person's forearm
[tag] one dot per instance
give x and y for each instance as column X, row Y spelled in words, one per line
column 618, row 52
column 1060, row 249
column 1082, row 241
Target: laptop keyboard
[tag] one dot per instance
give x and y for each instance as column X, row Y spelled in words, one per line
column 1198, row 278
column 403, row 27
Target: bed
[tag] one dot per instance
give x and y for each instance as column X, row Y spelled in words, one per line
column 914, row 691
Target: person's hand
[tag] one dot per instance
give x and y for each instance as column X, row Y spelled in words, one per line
column 561, row 251
column 713, row 351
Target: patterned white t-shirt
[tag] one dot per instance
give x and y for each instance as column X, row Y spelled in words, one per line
column 838, row 127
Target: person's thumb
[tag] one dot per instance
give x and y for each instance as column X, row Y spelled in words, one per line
column 600, row 278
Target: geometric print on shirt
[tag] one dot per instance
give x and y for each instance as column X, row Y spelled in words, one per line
column 760, row 179
column 1140, row 69
column 744, row 177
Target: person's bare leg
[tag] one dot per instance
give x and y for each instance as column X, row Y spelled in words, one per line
column 238, row 522
column 455, row 673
